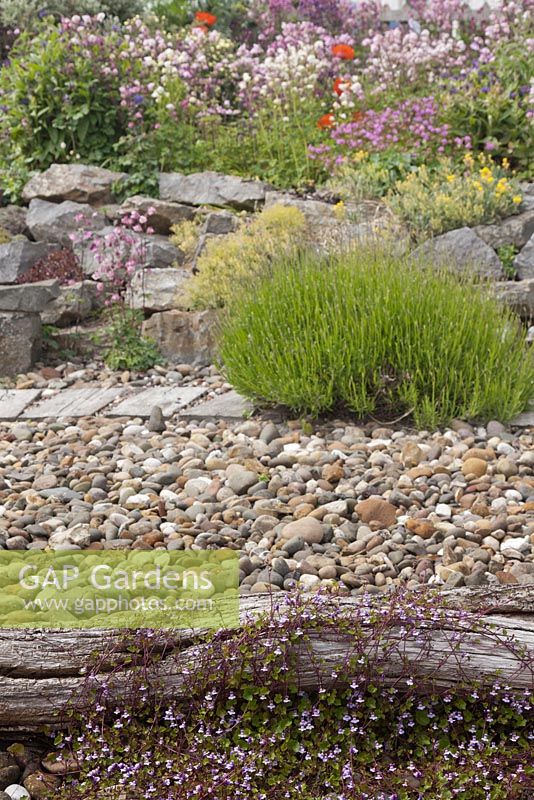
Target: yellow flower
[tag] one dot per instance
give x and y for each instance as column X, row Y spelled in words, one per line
column 517, row 199
column 451, row 178
column 486, row 175
column 478, row 186
column 360, row 155
column 505, row 163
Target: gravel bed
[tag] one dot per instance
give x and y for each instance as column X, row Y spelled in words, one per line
column 358, row 508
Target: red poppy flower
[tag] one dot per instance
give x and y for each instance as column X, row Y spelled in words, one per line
column 339, row 85
column 205, row 18
column 344, row 51
column 357, row 116
column 326, row 121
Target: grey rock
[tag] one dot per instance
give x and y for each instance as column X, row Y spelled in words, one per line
column 519, row 295
column 293, row 546
column 315, row 211
column 20, row 342
column 166, row 214
column 13, row 220
column 156, row 421
column 153, row 251
column 77, row 182
column 515, row 231
column 56, row 222
column 524, row 260
column 73, row 304
column 62, row 493
column 240, row 479
column 461, row 249
column 230, row 406
column 212, row 189
column 158, row 289
column 19, row 255
column 30, row 297
column 220, row 223
column 182, row 336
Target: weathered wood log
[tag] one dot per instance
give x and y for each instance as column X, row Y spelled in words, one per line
column 42, row 670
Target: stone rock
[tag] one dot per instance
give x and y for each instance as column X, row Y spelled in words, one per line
column 19, row 255
column 41, row 785
column 377, row 509
column 74, row 303
column 29, row 297
column 474, row 466
column 158, row 289
column 212, row 189
column 55, row 222
column 524, row 261
column 13, row 220
column 411, row 454
column 519, row 295
column 219, row 223
column 462, row 249
column 515, row 231
column 20, row 342
column 17, row 792
column 78, row 182
column 184, row 337
column 156, row 421
column 154, row 251
column 239, row 479
column 165, row 215
column 315, row 211
column 8, row 775
column 308, row 529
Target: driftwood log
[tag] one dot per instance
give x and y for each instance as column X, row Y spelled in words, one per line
column 42, row 670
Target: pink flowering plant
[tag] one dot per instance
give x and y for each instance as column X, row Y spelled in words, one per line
column 234, row 87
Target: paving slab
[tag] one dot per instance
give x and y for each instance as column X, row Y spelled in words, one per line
column 74, row 403
column 525, row 420
column 229, row 405
column 170, row 400
column 14, row 401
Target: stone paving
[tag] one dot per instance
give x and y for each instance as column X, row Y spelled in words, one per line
column 95, row 400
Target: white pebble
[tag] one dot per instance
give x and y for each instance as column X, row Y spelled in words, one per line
column 443, row 510
column 17, row 792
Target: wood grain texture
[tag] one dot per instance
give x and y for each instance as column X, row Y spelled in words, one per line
column 42, row 670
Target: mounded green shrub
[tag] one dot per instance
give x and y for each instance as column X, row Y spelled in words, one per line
column 25, row 13
column 377, row 333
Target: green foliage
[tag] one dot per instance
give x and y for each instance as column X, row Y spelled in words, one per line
column 492, row 106
column 507, row 254
column 372, row 175
column 60, row 105
column 242, row 728
column 375, row 333
column 25, row 14
column 128, row 348
column 434, row 200
column 229, row 262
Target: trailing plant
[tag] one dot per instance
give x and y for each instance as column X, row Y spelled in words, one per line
column 375, row 333
column 242, row 725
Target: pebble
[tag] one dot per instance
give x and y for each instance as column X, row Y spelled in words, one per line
column 365, row 508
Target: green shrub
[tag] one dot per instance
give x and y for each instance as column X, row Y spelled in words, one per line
column 232, row 260
column 59, row 103
column 433, row 201
column 23, row 14
column 375, row 333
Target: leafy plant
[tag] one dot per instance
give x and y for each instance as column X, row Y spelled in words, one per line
column 507, row 254
column 242, row 727
column 239, row 257
column 375, row 333
column 129, row 349
column 23, row 14
column 438, row 199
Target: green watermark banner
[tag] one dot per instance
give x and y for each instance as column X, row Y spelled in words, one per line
column 119, row 589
